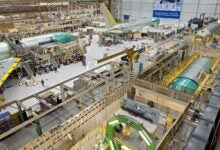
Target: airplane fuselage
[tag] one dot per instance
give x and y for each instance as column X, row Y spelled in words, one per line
column 136, row 25
column 57, row 37
column 60, row 37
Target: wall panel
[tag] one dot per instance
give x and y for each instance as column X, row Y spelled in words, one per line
column 191, row 8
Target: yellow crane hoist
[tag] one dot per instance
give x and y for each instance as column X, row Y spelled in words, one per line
column 131, row 54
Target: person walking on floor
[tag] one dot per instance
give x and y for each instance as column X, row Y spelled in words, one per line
column 55, row 69
column 42, row 82
column 84, row 60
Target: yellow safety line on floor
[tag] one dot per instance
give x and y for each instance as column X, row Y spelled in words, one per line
column 178, row 70
column 8, row 72
column 203, row 83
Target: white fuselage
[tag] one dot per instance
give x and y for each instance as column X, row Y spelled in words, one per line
column 136, row 24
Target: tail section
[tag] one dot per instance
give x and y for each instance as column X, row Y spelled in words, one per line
column 109, row 20
column 156, row 21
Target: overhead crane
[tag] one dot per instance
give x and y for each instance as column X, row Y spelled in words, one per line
column 130, row 52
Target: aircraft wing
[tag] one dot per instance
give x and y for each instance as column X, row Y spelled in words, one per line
column 132, row 29
column 6, row 67
column 115, row 31
column 122, row 31
column 126, row 30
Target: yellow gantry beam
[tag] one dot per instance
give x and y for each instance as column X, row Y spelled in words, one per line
column 178, row 70
column 130, row 52
column 10, row 69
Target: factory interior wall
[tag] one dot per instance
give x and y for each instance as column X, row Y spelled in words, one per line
column 191, row 8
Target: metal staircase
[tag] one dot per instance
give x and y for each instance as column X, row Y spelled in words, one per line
column 37, row 55
column 28, row 69
column 54, row 62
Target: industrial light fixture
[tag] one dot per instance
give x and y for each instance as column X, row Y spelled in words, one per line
column 70, row 137
column 114, row 122
column 112, row 145
column 144, row 138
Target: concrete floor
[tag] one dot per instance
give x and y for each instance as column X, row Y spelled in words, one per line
column 94, row 52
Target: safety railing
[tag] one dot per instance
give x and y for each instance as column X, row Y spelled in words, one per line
column 78, row 126
column 170, row 134
column 164, row 90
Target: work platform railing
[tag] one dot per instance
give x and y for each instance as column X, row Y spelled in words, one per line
column 74, row 129
column 164, row 90
column 105, row 81
column 171, row 132
column 71, row 129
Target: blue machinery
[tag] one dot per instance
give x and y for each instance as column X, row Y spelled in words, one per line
column 141, row 110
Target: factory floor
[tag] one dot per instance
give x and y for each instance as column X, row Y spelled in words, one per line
column 64, row 73
column 94, row 52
